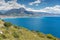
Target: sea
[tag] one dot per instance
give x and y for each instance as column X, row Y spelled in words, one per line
column 46, row 25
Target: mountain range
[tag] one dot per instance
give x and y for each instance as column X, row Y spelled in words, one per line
column 23, row 12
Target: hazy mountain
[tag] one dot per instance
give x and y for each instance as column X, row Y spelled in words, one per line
column 23, row 12
column 20, row 11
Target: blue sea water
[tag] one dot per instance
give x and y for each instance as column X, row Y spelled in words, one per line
column 47, row 25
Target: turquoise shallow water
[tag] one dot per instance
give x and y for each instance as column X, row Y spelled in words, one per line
column 47, row 25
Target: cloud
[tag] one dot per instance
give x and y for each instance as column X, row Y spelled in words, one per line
column 9, row 5
column 54, row 9
column 14, row 5
column 35, row 2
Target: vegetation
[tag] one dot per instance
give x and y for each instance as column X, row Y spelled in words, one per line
column 15, row 35
column 7, row 24
column 51, row 37
column 20, row 33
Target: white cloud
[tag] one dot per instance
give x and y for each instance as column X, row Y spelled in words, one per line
column 54, row 9
column 35, row 2
column 9, row 5
column 14, row 5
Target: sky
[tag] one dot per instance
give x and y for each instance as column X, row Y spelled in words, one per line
column 48, row 6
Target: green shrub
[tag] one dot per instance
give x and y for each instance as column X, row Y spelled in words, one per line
column 16, row 27
column 2, row 36
column 51, row 37
column 15, row 35
column 2, row 20
column 7, row 24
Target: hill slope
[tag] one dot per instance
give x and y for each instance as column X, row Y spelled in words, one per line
column 13, row 32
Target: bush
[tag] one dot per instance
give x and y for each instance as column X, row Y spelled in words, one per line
column 15, row 35
column 7, row 24
column 51, row 37
column 2, row 36
column 2, row 20
column 16, row 27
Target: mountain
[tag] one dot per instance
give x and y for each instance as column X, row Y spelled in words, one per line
column 9, row 31
column 23, row 12
column 1, row 13
column 18, row 12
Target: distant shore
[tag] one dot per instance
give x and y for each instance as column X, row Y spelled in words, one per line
column 4, row 17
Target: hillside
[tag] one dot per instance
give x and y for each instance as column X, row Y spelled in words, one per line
column 9, row 31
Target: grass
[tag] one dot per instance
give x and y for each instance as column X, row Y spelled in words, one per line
column 13, row 32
